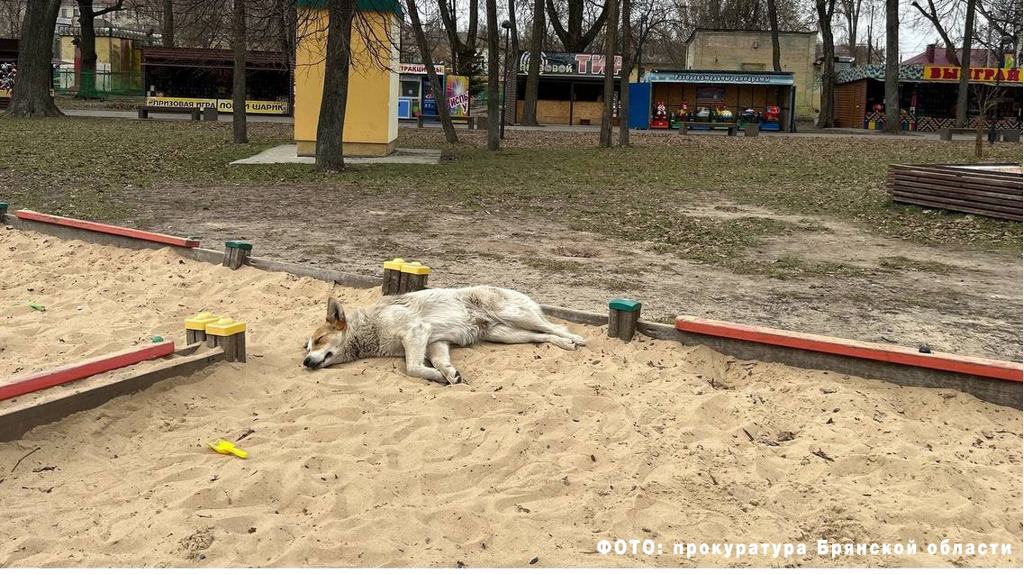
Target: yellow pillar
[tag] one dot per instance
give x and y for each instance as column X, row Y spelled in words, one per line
column 371, row 113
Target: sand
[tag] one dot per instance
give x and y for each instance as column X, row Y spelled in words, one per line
column 544, row 454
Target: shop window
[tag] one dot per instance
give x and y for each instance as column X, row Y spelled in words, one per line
column 589, row 92
column 410, row 88
column 553, row 91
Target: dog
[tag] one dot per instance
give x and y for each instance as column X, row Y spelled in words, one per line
column 423, row 325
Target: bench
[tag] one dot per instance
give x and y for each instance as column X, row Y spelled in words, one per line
column 471, row 122
column 1011, row 136
column 731, row 126
column 209, row 114
column 946, row 134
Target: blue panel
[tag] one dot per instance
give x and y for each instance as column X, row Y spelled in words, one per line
column 403, row 109
column 640, row 106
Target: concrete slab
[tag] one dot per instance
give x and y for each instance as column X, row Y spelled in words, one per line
column 287, row 154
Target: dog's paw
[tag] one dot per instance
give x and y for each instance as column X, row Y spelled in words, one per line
column 567, row 344
column 454, row 378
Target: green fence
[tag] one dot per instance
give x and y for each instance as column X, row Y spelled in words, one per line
column 98, row 84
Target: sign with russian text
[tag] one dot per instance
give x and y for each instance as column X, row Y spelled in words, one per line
column 404, row 68
column 457, row 95
column 978, row 75
column 569, row 64
column 277, row 108
column 697, row 77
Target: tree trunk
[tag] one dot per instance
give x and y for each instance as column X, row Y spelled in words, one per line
column 533, row 74
column 627, row 69
column 87, row 47
column 826, row 113
column 168, row 24
column 238, row 33
column 31, row 96
column 965, row 66
column 572, row 36
column 493, row 51
column 331, row 125
column 773, row 22
column 611, row 28
column 892, row 67
column 435, row 82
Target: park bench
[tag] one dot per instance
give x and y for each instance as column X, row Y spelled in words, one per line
column 946, row 134
column 471, row 122
column 208, row 114
column 684, row 126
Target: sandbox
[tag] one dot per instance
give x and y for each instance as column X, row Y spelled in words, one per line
column 541, row 456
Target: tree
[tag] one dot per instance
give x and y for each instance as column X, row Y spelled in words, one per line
column 167, row 24
column 31, row 96
column 936, row 16
column 464, row 56
column 773, row 22
column 572, row 35
column 238, row 38
column 435, row 82
column 493, row 121
column 963, row 90
column 826, row 114
column 892, row 66
column 627, row 69
column 331, row 124
column 612, row 26
column 87, row 44
column 533, row 73
column 851, row 10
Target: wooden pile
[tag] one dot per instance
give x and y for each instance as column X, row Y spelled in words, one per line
column 994, row 190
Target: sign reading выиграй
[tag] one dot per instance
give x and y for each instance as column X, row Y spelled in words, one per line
column 952, row 74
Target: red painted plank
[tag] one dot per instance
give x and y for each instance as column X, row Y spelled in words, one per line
column 1004, row 370
column 67, row 373
column 108, row 229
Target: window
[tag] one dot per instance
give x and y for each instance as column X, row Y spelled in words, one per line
column 410, row 88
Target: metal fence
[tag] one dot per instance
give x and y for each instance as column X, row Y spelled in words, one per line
column 100, row 83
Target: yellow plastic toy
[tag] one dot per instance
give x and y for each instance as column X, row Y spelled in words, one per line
column 224, row 447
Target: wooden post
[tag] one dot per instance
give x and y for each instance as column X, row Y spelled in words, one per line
column 623, row 316
column 210, row 114
column 236, row 253
column 392, row 277
column 414, row 277
column 751, row 130
column 195, row 328
column 229, row 335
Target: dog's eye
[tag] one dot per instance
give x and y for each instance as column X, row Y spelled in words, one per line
column 319, row 340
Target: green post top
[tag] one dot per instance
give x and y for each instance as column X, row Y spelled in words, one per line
column 239, row 245
column 3, row 205
column 624, row 305
column 364, row 5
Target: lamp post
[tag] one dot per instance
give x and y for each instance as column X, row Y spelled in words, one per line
column 993, row 134
column 504, row 88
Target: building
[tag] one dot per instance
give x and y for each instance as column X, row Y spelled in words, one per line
column 934, row 55
column 751, row 51
column 927, row 97
column 571, row 88
column 415, row 97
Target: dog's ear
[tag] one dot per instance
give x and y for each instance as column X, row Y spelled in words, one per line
column 335, row 314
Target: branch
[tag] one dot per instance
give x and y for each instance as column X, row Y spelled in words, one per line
column 934, row 19
column 109, row 9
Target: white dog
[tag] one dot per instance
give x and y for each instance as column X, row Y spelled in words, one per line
column 422, row 325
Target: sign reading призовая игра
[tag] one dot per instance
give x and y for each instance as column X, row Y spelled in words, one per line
column 698, row 77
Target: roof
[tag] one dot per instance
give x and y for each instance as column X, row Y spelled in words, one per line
column 936, row 55
column 209, row 58
column 744, row 31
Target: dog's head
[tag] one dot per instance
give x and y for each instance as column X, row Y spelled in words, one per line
column 325, row 346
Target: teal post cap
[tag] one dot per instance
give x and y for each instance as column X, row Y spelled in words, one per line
column 3, row 205
column 624, row 305
column 157, row 339
column 238, row 244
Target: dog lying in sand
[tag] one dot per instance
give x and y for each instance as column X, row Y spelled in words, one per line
column 422, row 325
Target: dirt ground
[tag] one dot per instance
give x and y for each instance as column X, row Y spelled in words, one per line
column 903, row 292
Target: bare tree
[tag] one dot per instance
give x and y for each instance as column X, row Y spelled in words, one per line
column 464, row 55
column 965, row 67
column 533, row 74
column 612, row 25
column 988, row 99
column 773, row 22
column 627, row 69
column 937, row 16
column 167, row 24
column 31, row 96
column 87, row 15
column 331, row 124
column 238, row 29
column 572, row 35
column 11, row 13
column 892, row 67
column 493, row 121
column 851, row 10
column 826, row 114
column 435, row 83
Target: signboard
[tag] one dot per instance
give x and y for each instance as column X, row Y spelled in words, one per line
column 457, row 95
column 952, row 74
column 276, row 108
column 710, row 95
column 419, row 69
column 697, row 77
column 569, row 64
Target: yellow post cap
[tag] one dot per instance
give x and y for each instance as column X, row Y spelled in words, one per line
column 225, row 326
column 416, row 268
column 395, row 264
column 200, row 321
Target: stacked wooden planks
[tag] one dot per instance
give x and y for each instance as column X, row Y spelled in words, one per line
column 994, row 190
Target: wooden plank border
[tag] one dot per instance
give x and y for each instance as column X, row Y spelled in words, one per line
column 17, row 419
column 108, row 229
column 80, row 370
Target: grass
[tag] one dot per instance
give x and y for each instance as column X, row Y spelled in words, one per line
column 101, row 169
